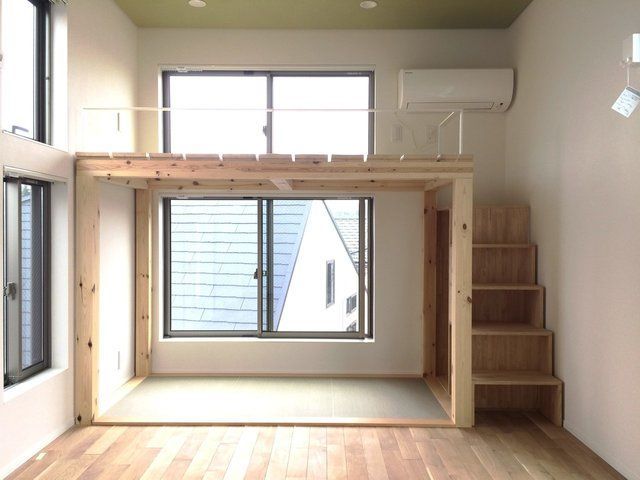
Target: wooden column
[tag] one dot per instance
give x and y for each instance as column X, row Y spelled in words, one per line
column 460, row 298
column 87, row 249
column 429, row 296
column 143, row 283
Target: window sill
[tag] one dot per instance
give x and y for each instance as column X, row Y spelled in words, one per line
column 263, row 340
column 15, row 391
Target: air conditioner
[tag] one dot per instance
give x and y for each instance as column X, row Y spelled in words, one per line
column 486, row 90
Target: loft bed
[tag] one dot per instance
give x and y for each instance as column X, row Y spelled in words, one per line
column 146, row 172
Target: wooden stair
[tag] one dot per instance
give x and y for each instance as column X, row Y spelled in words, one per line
column 512, row 351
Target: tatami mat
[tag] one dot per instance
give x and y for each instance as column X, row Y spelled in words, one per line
column 274, row 399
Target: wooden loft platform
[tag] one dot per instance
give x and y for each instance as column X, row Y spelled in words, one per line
column 148, row 173
column 345, row 173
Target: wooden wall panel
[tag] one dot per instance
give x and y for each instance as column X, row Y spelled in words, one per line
column 87, row 290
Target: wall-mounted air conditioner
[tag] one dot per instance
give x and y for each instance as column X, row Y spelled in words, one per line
column 486, row 90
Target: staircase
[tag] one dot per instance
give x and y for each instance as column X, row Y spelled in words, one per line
column 512, row 351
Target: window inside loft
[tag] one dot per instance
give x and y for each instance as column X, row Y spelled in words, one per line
column 240, row 122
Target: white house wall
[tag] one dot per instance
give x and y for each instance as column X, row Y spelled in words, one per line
column 305, row 304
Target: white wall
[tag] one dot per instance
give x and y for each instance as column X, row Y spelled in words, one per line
column 575, row 161
column 305, row 307
column 96, row 66
column 36, row 411
column 117, row 289
column 103, row 60
column 386, row 51
column 397, row 348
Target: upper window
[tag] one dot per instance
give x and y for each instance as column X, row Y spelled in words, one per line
column 25, row 68
column 26, row 279
column 240, row 122
column 266, row 266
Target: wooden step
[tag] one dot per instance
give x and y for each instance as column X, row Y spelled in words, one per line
column 504, row 263
column 508, row 303
column 509, row 329
column 514, row 378
column 501, row 224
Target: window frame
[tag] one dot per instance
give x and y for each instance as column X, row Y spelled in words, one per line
column 269, row 74
column 16, row 323
column 365, row 317
column 42, row 75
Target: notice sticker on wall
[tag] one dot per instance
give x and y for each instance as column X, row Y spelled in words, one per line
column 627, row 102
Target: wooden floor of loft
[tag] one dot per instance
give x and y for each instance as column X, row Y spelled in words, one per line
column 292, row 401
column 501, row 446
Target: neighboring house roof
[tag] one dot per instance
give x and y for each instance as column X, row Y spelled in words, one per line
column 348, row 229
column 214, row 253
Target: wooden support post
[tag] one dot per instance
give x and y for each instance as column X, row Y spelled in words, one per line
column 460, row 298
column 87, row 297
column 143, row 283
column 429, row 296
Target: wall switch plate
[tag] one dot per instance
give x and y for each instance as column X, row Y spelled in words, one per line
column 396, row 133
column 631, row 49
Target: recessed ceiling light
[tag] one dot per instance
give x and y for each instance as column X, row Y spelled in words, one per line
column 368, row 4
column 197, row 3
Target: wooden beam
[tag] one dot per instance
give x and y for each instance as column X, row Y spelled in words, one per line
column 87, row 298
column 126, row 182
column 282, row 184
column 460, row 298
column 429, row 295
column 143, row 283
column 427, row 168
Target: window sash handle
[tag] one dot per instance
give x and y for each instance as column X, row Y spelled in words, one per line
column 10, row 290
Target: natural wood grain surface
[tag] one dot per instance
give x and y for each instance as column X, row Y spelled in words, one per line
column 501, row 446
column 87, row 294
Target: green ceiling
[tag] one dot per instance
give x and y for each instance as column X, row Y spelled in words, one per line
column 325, row 14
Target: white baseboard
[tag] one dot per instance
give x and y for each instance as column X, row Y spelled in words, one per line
column 6, row 470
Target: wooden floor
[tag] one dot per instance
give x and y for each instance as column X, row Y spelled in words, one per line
column 502, row 446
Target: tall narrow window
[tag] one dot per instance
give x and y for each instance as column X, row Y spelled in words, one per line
column 240, row 122
column 26, row 279
column 266, row 267
column 25, row 68
column 331, row 282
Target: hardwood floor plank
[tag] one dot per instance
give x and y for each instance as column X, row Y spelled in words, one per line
column 317, row 459
column 354, row 451
column 336, row 455
column 373, row 454
column 259, row 462
column 280, row 454
column 299, row 454
column 239, row 463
